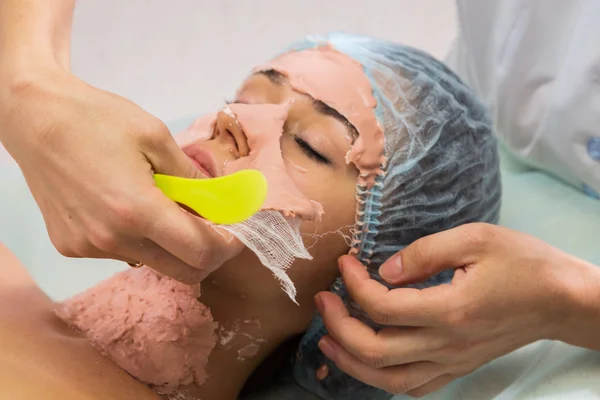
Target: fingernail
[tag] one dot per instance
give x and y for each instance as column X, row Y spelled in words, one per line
column 327, row 347
column 341, row 264
column 319, row 303
column 391, row 270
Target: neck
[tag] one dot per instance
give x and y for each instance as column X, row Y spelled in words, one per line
column 248, row 333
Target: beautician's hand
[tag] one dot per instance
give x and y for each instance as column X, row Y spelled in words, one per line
column 88, row 157
column 509, row 290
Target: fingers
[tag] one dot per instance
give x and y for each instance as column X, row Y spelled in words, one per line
column 433, row 254
column 134, row 249
column 389, row 346
column 396, row 380
column 188, row 238
column 167, row 157
column 402, row 307
column 182, row 240
column 151, row 255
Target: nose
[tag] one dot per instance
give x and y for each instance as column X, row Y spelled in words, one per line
column 230, row 134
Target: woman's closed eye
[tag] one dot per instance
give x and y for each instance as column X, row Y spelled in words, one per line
column 310, row 152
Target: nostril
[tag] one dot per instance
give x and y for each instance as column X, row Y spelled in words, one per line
column 235, row 148
column 227, row 138
column 232, row 135
column 235, row 143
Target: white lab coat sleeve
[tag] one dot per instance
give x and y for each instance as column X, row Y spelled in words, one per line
column 536, row 65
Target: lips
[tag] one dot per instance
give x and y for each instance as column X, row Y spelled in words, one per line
column 202, row 159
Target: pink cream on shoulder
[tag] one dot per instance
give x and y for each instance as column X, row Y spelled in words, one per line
column 340, row 82
column 150, row 325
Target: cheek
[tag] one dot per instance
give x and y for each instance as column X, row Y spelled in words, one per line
column 311, row 277
column 334, row 191
column 200, row 130
column 334, row 187
column 317, row 275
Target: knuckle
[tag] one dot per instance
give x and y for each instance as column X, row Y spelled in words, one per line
column 479, row 234
column 455, row 351
column 456, row 318
column 420, row 252
column 78, row 247
column 73, row 247
column 155, row 131
column 64, row 249
column 379, row 314
column 398, row 386
column 191, row 277
column 460, row 315
column 373, row 356
column 60, row 245
column 103, row 239
column 202, row 259
column 125, row 215
column 81, row 246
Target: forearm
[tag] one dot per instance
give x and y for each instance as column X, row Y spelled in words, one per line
column 35, row 38
column 34, row 34
column 581, row 326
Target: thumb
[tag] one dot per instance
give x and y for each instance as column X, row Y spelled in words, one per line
column 168, row 159
column 431, row 255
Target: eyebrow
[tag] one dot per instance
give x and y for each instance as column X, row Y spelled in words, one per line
column 277, row 78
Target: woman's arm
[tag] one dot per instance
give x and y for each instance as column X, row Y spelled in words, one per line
column 43, row 29
column 88, row 155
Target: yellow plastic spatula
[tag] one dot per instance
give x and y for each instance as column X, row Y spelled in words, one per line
column 227, row 199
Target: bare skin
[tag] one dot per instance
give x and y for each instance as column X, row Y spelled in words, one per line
column 38, row 347
column 242, row 294
column 61, row 131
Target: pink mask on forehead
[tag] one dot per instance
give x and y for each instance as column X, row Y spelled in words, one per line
column 263, row 126
column 340, row 82
column 326, row 75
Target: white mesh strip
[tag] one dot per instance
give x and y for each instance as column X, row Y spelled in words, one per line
column 276, row 241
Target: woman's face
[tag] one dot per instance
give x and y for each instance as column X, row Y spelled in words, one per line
column 313, row 146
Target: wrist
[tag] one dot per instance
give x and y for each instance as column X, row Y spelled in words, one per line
column 20, row 72
column 29, row 107
column 580, row 322
column 34, row 34
column 14, row 83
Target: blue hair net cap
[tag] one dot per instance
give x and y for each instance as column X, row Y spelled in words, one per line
column 442, row 171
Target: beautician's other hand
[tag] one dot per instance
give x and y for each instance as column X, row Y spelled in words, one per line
column 88, row 157
column 509, row 290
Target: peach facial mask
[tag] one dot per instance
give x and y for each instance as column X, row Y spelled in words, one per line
column 262, row 125
column 340, row 82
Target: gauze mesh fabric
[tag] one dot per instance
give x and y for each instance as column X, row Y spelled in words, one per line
column 276, row 241
column 442, row 172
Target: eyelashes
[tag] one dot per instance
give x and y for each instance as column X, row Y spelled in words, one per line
column 310, row 152
column 304, row 146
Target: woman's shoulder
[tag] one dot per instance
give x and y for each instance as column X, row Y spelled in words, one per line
column 44, row 358
column 12, row 271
